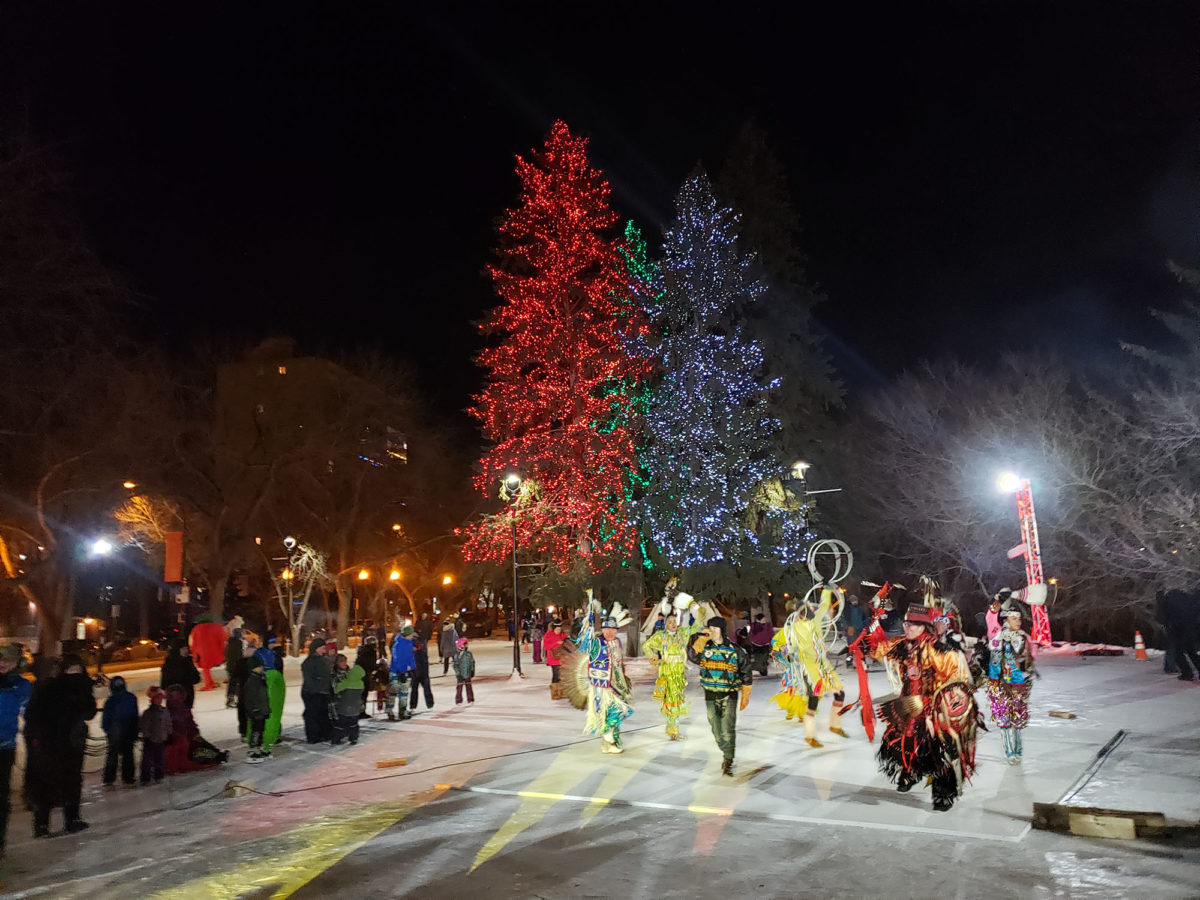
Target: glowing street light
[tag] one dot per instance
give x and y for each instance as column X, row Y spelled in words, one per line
column 286, row 575
column 101, row 547
column 1009, row 483
column 447, row 579
column 363, row 574
column 395, row 576
column 800, row 468
column 396, row 527
column 129, row 485
column 513, row 482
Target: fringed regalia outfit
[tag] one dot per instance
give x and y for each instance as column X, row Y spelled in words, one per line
column 595, row 680
column 931, row 727
column 1010, row 667
column 799, row 648
column 671, row 684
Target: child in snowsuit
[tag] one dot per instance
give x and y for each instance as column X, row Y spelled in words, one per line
column 380, row 679
column 156, row 731
column 464, row 668
column 119, row 720
column 258, row 707
column 347, row 699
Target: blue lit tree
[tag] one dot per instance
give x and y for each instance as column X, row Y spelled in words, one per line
column 709, row 428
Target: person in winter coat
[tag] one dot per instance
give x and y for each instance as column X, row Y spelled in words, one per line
column 119, row 721
column 156, row 731
column 761, row 635
column 399, row 672
column 536, row 633
column 258, row 708
column 56, row 737
column 14, row 695
column 379, row 684
column 1179, row 613
column 234, row 673
column 448, row 644
column 187, row 750
column 420, row 676
column 178, row 669
column 464, row 668
column 381, row 638
column 315, row 690
column 424, row 628
column 348, row 698
column 366, row 660
column 551, row 642
column 269, row 654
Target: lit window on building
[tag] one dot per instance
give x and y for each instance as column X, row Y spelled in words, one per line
column 283, row 370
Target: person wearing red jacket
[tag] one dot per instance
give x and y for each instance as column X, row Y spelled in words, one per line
column 550, row 643
column 207, row 643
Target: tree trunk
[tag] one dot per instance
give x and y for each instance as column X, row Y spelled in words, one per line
column 345, row 595
column 61, row 612
column 216, row 594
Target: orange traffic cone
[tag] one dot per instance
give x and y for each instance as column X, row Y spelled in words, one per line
column 1139, row 646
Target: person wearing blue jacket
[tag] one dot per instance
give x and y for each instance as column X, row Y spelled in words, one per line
column 14, row 694
column 119, row 721
column 404, row 661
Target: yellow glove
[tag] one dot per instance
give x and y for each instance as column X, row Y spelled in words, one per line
column 700, row 642
column 745, row 697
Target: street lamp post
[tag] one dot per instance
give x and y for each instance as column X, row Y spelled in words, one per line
column 513, row 482
column 1031, row 549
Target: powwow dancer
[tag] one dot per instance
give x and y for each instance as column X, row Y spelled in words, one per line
column 931, row 727
column 1010, row 667
column 725, row 673
column 670, row 646
column 807, row 672
column 594, row 677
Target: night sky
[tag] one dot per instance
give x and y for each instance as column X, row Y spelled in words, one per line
column 971, row 177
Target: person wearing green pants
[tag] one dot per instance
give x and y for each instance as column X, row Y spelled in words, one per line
column 726, row 676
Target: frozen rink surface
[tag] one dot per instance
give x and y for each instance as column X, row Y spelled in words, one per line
column 506, row 798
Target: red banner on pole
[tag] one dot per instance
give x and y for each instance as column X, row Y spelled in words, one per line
column 173, row 566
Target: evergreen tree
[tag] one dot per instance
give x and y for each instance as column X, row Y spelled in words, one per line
column 754, row 183
column 567, row 330
column 708, row 420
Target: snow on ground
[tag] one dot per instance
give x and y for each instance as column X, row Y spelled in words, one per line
column 506, row 796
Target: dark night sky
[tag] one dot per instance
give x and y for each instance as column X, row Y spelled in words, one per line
column 970, row 176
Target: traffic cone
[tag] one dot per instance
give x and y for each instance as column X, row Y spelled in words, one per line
column 1139, row 646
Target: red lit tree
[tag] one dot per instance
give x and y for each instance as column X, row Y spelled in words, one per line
column 567, row 332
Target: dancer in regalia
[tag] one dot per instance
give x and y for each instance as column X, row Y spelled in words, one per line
column 670, row 646
column 799, row 647
column 1010, row 668
column 931, row 726
column 594, row 676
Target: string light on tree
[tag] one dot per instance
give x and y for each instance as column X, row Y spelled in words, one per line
column 708, row 417
column 566, row 335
